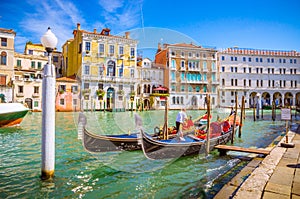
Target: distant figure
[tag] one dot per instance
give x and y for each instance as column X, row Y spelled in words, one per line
column 180, row 119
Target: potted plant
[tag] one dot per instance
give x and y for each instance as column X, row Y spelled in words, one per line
column 120, row 92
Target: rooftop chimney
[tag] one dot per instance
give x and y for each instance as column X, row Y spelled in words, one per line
column 95, row 30
column 127, row 35
column 78, row 26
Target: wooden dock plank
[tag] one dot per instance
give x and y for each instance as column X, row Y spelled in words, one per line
column 241, row 149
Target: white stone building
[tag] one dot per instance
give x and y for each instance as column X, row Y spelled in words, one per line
column 267, row 75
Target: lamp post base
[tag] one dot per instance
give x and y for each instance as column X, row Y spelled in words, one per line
column 287, row 145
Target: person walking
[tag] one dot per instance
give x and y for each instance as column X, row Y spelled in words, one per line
column 180, row 119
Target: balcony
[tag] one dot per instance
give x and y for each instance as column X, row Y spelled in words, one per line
column 20, row 95
column 35, row 95
column 100, row 54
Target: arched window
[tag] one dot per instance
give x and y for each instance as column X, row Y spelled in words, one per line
column 3, row 58
column 111, row 68
column 173, row 100
column 181, row 101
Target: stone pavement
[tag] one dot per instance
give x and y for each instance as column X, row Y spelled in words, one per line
column 275, row 176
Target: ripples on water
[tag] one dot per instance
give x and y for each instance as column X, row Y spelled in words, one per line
column 79, row 174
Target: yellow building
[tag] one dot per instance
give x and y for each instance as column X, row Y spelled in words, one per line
column 105, row 64
column 7, row 37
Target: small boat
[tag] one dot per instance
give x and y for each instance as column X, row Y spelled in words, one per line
column 12, row 114
column 96, row 143
column 190, row 145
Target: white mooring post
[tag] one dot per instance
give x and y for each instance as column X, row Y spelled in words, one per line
column 49, row 41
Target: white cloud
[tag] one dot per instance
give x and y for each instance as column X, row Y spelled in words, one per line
column 60, row 15
column 121, row 16
column 111, row 5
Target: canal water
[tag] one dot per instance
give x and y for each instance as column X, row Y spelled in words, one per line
column 79, row 174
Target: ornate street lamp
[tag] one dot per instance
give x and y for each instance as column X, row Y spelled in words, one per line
column 49, row 41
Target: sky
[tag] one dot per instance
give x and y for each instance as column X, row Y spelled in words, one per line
column 258, row 24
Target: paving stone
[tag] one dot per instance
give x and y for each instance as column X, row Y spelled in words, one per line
column 276, row 188
column 244, row 194
column 282, row 179
column 225, row 192
column 254, row 163
column 296, row 188
column 269, row 195
column 295, row 196
column 240, row 177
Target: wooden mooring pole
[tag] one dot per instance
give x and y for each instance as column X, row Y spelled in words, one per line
column 208, row 125
column 242, row 116
column 234, row 119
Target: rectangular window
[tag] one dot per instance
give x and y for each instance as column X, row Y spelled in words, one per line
column 20, row 89
column 272, row 60
column 36, row 104
column 62, row 88
column 295, row 61
column 231, row 58
column 268, row 60
column 101, row 70
column 121, row 50
column 256, row 59
column 250, row 82
column 223, row 58
column 55, row 58
column 86, row 86
column 250, row 70
column 87, row 46
column 3, row 41
column 62, row 101
column 223, row 68
column 131, row 72
column 249, row 59
column 36, row 89
column 244, row 70
column 132, row 52
column 111, row 49
column 74, row 89
column 74, row 102
column 245, row 82
column 86, row 70
column 101, row 48
column 39, row 65
column 279, row 60
column 235, row 58
column 32, row 64
column 19, row 63
column 244, row 59
column 283, row 61
column 182, row 77
column 261, row 59
column 291, row 61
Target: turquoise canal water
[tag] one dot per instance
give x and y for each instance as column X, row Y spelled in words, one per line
column 79, row 174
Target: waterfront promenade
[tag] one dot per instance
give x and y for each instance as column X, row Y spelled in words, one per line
column 275, row 176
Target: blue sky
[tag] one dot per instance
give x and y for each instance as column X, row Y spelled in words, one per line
column 263, row 24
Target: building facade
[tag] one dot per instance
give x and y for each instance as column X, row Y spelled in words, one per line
column 259, row 75
column 191, row 74
column 7, row 49
column 28, row 74
column 67, row 98
column 150, row 77
column 106, row 66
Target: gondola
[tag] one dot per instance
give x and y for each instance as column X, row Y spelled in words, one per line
column 175, row 148
column 95, row 143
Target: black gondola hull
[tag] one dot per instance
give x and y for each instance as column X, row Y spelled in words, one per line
column 154, row 149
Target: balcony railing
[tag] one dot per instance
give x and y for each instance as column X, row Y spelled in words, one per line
column 20, row 94
column 35, row 95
